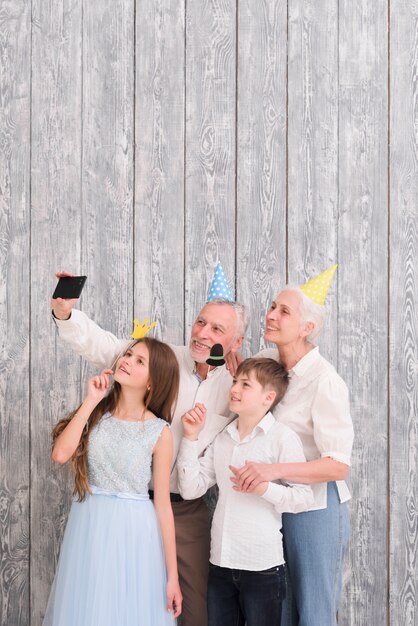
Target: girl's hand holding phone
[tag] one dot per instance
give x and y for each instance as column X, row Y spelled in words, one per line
column 98, row 386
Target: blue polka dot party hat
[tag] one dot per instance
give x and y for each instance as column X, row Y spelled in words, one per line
column 219, row 287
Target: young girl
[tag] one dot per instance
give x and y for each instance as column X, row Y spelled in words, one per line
column 111, row 568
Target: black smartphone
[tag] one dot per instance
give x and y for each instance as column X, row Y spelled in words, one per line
column 69, row 287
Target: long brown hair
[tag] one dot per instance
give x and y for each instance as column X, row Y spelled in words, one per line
column 159, row 399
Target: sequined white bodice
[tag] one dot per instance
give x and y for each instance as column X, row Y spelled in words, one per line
column 120, row 453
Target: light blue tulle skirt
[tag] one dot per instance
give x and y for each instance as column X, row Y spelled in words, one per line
column 111, row 569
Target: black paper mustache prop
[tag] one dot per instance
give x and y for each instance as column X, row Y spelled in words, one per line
column 216, row 355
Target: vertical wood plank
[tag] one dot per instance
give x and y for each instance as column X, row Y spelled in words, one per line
column 362, row 295
column 210, row 147
column 56, row 243
column 107, row 179
column 159, row 166
column 403, row 312
column 313, row 150
column 15, row 33
column 261, row 159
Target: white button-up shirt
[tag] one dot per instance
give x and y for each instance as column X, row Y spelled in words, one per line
column 316, row 407
column 213, row 392
column 246, row 528
column 101, row 348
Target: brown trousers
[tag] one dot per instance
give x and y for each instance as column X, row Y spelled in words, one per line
column 191, row 518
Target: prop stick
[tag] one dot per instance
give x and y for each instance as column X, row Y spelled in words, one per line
column 216, row 355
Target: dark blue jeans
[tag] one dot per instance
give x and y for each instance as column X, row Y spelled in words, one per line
column 237, row 596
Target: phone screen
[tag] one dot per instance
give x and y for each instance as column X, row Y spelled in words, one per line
column 69, row 287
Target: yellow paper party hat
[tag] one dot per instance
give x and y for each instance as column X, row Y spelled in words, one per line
column 140, row 330
column 317, row 288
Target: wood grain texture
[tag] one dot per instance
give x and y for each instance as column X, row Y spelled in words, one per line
column 210, row 148
column 403, row 387
column 56, row 243
column 159, row 166
column 313, row 151
column 151, row 138
column 107, row 182
column 261, row 159
column 14, row 312
column 362, row 296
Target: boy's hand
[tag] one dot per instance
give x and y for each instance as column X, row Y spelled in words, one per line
column 61, row 307
column 98, row 386
column 194, row 421
column 250, row 475
column 260, row 490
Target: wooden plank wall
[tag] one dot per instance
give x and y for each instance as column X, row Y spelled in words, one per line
column 261, row 159
column 363, row 317
column 143, row 140
column 56, row 198
column 15, row 324
column 403, row 316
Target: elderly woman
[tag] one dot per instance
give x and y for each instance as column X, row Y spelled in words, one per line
column 316, row 407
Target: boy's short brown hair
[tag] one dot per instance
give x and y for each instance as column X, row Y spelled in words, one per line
column 269, row 373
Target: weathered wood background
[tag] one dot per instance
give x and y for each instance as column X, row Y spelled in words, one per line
column 141, row 141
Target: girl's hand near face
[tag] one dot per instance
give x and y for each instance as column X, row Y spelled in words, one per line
column 194, row 421
column 66, row 443
column 98, row 386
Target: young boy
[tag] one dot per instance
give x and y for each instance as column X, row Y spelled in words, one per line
column 246, row 577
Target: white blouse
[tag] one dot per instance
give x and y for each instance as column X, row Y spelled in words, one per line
column 316, row 407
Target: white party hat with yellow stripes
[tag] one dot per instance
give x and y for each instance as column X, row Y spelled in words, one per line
column 317, row 288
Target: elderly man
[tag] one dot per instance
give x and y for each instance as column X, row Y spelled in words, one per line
column 221, row 322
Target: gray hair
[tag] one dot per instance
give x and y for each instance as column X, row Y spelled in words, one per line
column 309, row 310
column 241, row 312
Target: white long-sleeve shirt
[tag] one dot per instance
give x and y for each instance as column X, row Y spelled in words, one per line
column 316, row 407
column 246, row 527
column 101, row 348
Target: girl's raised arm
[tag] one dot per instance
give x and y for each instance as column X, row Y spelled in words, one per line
column 66, row 443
